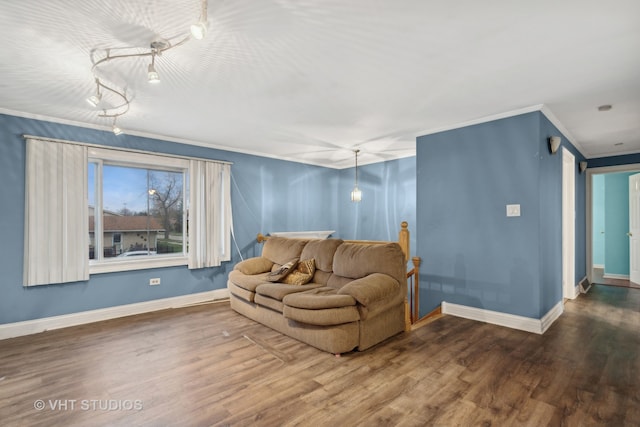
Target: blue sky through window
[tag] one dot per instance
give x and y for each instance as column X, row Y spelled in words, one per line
column 124, row 187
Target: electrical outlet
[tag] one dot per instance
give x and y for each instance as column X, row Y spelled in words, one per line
column 154, row 282
column 513, row 210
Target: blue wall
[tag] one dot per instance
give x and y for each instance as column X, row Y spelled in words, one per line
column 388, row 198
column 616, row 219
column 267, row 195
column 597, row 231
column 472, row 253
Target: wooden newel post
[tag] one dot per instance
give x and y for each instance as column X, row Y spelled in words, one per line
column 403, row 240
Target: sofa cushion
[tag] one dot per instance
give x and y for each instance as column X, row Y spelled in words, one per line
column 280, row 250
column 280, row 290
column 323, row 317
column 372, row 288
column 281, row 272
column 245, row 281
column 319, row 298
column 322, row 251
column 303, row 273
column 271, row 303
column 375, row 294
column 255, row 265
column 239, row 292
column 355, row 260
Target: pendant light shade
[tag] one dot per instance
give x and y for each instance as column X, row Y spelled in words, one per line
column 356, row 194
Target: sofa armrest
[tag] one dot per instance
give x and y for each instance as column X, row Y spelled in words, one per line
column 255, row 265
column 371, row 289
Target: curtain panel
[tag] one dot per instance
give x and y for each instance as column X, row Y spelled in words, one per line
column 56, row 220
column 210, row 220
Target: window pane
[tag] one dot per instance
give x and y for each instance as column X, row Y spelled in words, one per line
column 142, row 211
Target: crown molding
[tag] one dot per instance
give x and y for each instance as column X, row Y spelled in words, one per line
column 160, row 137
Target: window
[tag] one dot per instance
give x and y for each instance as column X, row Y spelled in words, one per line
column 93, row 210
column 137, row 211
column 142, row 211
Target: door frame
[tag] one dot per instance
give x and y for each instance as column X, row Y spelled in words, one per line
column 632, row 167
column 568, row 224
column 634, row 227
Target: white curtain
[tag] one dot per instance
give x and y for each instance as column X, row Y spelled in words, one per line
column 210, row 220
column 56, row 216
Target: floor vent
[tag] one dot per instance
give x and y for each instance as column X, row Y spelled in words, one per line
column 585, row 285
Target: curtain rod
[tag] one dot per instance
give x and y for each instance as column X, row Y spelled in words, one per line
column 131, row 150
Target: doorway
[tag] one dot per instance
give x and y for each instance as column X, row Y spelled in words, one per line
column 596, row 231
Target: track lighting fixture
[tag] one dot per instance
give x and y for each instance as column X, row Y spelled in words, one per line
column 114, row 101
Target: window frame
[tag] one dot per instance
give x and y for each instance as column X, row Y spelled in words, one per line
column 102, row 156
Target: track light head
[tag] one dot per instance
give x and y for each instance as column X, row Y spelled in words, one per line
column 152, row 74
column 94, row 99
column 199, row 30
column 115, row 128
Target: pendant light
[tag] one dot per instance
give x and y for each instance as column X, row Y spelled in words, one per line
column 356, row 194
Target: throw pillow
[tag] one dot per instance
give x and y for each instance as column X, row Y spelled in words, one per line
column 302, row 274
column 281, row 273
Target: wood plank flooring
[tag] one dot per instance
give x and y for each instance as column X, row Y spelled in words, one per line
column 207, row 365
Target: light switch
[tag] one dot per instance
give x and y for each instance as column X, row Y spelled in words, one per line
column 513, row 210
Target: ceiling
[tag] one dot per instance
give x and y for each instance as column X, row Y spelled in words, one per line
column 312, row 80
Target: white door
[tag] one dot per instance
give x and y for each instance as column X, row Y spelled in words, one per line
column 568, row 224
column 634, row 228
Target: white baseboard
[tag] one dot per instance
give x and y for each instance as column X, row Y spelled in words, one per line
column 27, row 327
column 551, row 316
column 598, row 266
column 537, row 326
column 615, row 276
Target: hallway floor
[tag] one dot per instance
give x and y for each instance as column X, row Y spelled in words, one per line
column 598, row 277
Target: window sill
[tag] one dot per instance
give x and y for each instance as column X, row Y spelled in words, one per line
column 137, row 264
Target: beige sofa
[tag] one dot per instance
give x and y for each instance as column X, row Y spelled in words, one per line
column 355, row 299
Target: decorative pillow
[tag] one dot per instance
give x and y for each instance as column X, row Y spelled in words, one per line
column 252, row 266
column 302, row 274
column 281, row 273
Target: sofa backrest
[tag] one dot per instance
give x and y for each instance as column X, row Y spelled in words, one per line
column 322, row 251
column 281, row 250
column 356, row 260
column 338, row 263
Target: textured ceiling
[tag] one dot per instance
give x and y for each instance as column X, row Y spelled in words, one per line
column 312, row 80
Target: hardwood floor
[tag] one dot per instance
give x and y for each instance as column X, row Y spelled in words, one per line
column 207, row 365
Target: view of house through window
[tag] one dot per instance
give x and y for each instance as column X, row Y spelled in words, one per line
column 135, row 211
